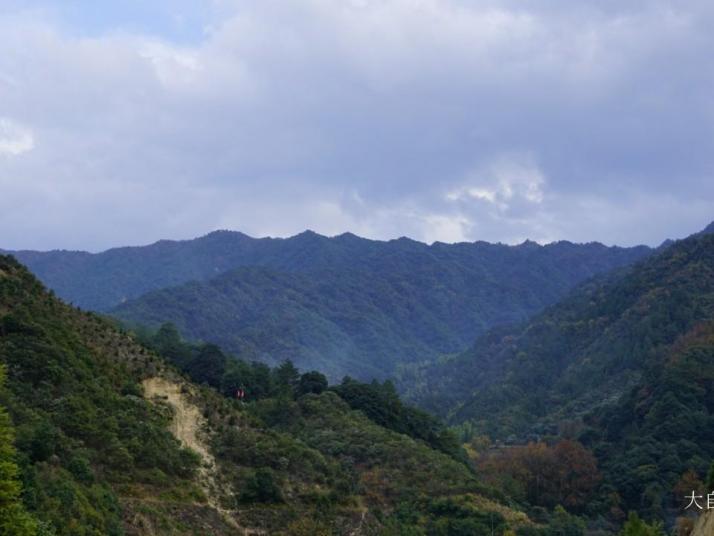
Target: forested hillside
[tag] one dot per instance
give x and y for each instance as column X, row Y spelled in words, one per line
column 352, row 306
column 625, row 365
column 101, row 425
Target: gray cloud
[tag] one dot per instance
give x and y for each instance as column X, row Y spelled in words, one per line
column 437, row 119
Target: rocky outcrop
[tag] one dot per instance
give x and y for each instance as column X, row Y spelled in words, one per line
column 704, row 525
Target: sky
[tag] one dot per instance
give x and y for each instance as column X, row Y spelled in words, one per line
column 122, row 123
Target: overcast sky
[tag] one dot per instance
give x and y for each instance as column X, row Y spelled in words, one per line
column 440, row 120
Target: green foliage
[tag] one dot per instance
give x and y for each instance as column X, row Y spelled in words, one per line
column 560, row 523
column 403, row 467
column 208, row 366
column 312, row 383
column 381, row 403
column 335, row 456
column 307, row 448
column 625, row 364
column 342, row 305
column 286, row 377
column 207, row 363
column 14, row 519
column 565, row 524
column 82, row 431
column 94, row 456
column 455, row 518
column 261, row 487
column 637, row 527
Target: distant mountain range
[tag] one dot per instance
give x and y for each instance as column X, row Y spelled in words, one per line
column 344, row 305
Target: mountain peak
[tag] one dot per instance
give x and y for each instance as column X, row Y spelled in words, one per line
column 309, row 234
column 224, row 232
column 349, row 236
column 528, row 243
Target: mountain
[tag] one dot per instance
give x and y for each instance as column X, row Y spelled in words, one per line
column 345, row 305
column 101, row 435
column 625, row 364
column 103, row 280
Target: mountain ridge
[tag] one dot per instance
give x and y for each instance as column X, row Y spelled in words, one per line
column 350, row 311
column 80, row 277
column 346, row 305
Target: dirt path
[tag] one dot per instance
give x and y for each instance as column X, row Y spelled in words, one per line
column 186, row 426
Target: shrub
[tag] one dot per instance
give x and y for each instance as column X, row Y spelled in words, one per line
column 261, row 487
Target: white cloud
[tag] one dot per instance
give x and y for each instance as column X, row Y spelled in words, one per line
column 442, row 228
column 507, row 180
column 173, row 66
column 14, row 138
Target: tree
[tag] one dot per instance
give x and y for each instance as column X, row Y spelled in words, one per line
column 14, row 519
column 261, row 383
column 237, row 376
column 543, row 475
column 637, row 527
column 167, row 337
column 167, row 342
column 710, row 479
column 287, row 376
column 261, row 487
column 312, row 382
column 564, row 524
column 577, row 473
column 683, row 526
column 208, row 366
column 687, row 483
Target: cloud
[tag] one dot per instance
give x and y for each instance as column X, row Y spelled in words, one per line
column 508, row 180
column 440, row 120
column 14, row 139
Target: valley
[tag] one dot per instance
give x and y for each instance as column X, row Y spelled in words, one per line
column 585, row 385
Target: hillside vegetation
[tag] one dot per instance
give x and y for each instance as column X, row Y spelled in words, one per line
column 102, row 425
column 625, row 365
column 346, row 305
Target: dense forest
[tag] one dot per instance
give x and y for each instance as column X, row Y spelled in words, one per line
column 624, row 365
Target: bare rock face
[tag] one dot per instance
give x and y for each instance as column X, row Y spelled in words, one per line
column 705, row 525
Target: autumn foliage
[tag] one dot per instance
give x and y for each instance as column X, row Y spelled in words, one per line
column 545, row 475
